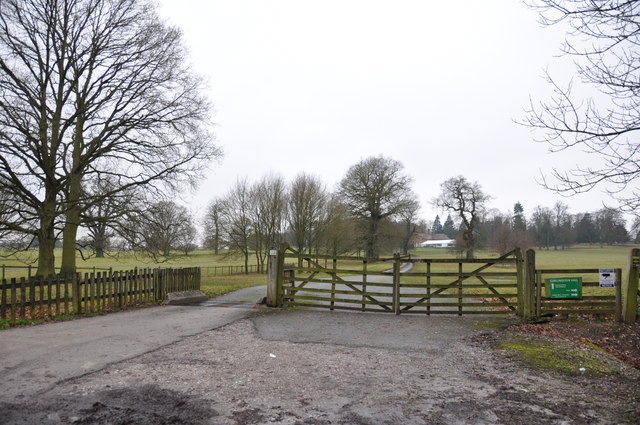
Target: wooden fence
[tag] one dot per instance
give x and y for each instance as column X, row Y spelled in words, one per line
column 39, row 298
column 6, row 272
column 509, row 284
column 208, row 271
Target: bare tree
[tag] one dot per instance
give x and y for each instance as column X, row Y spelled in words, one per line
column 237, row 220
column 162, row 228
column 307, row 211
column 604, row 39
column 542, row 226
column 564, row 234
column 468, row 200
column 409, row 224
column 268, row 213
column 93, row 87
column 102, row 216
column 213, row 225
column 375, row 189
column 339, row 234
column 635, row 230
column 610, row 227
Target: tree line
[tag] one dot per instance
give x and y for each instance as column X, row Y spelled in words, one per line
column 373, row 210
column 556, row 228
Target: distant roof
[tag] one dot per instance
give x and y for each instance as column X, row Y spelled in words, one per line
column 437, row 237
column 438, row 243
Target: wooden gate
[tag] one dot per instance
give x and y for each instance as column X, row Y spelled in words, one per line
column 401, row 284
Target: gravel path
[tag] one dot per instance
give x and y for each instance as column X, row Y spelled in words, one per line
column 312, row 367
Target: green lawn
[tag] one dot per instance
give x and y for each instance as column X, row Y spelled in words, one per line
column 217, row 280
column 580, row 256
column 219, row 285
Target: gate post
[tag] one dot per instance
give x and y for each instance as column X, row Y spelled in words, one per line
column 519, row 280
column 396, row 283
column 272, row 283
column 529, row 287
column 275, row 272
column 630, row 289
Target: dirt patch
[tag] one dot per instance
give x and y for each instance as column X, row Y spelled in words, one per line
column 238, row 375
column 146, row 404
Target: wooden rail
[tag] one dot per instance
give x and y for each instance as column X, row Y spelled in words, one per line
column 39, row 298
column 445, row 286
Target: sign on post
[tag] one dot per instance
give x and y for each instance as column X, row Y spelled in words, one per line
column 607, row 278
column 564, row 287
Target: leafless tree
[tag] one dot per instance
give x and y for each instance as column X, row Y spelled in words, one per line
column 409, row 224
column 237, row 220
column 213, row 226
column 307, row 211
column 162, row 228
column 375, row 189
column 603, row 39
column 102, row 216
column 468, row 201
column 542, row 226
column 268, row 213
column 610, row 226
column 563, row 231
column 339, row 234
column 93, row 88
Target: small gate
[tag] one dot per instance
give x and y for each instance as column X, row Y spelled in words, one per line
column 402, row 284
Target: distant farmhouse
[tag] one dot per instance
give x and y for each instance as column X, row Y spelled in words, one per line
column 437, row 240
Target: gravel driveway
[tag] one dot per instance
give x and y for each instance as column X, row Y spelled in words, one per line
column 317, row 367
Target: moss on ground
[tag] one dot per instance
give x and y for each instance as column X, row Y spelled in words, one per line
column 560, row 357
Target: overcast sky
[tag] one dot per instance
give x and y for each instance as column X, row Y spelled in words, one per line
column 316, row 86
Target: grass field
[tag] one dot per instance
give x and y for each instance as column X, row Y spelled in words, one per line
column 580, row 256
column 218, row 280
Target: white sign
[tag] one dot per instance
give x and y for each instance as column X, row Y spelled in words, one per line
column 607, row 278
column 273, row 252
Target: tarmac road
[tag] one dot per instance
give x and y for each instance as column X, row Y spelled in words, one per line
column 35, row 359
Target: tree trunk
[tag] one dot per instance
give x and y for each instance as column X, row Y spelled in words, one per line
column 372, row 238
column 47, row 241
column 70, row 232
column 69, row 235
column 469, row 243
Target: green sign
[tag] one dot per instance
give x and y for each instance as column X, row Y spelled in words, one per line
column 564, row 287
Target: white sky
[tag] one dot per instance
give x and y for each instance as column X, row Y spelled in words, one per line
column 316, row 86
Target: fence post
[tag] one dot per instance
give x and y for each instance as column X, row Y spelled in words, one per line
column 274, row 271
column 520, row 280
column 396, row 283
column 529, row 287
column 160, row 282
column 630, row 289
column 75, row 293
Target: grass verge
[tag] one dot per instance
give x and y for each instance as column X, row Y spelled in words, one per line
column 220, row 285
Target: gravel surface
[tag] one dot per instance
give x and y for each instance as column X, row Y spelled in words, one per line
column 308, row 367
